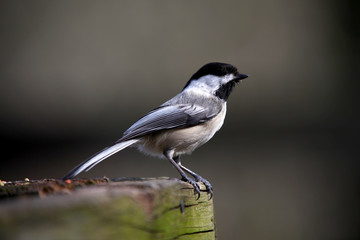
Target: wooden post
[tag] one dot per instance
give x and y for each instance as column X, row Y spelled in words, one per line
column 160, row 208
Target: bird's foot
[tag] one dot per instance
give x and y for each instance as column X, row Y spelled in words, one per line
column 194, row 183
column 207, row 185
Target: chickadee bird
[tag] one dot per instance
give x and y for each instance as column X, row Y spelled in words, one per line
column 180, row 125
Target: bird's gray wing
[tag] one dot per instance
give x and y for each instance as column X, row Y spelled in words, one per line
column 168, row 117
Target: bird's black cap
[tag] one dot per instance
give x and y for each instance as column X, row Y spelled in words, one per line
column 217, row 69
column 214, row 68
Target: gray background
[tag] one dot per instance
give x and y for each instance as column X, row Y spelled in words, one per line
column 75, row 74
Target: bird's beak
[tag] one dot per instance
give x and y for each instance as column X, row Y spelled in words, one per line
column 239, row 77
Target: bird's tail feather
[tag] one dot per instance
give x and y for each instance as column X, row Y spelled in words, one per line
column 98, row 157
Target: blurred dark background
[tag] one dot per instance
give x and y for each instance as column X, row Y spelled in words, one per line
column 74, row 75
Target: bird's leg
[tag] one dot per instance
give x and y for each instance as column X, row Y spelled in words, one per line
column 196, row 176
column 184, row 177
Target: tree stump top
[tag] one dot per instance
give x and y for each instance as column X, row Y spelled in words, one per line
column 124, row 208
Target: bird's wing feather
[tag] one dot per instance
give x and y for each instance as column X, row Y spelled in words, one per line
column 168, row 117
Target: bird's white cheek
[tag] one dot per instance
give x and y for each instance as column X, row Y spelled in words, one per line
column 227, row 78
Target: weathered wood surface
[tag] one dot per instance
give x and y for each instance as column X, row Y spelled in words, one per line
column 138, row 209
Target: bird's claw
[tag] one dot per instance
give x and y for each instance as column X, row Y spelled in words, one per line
column 207, row 185
column 196, row 186
column 194, row 183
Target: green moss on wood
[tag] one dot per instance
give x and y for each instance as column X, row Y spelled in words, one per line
column 136, row 209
